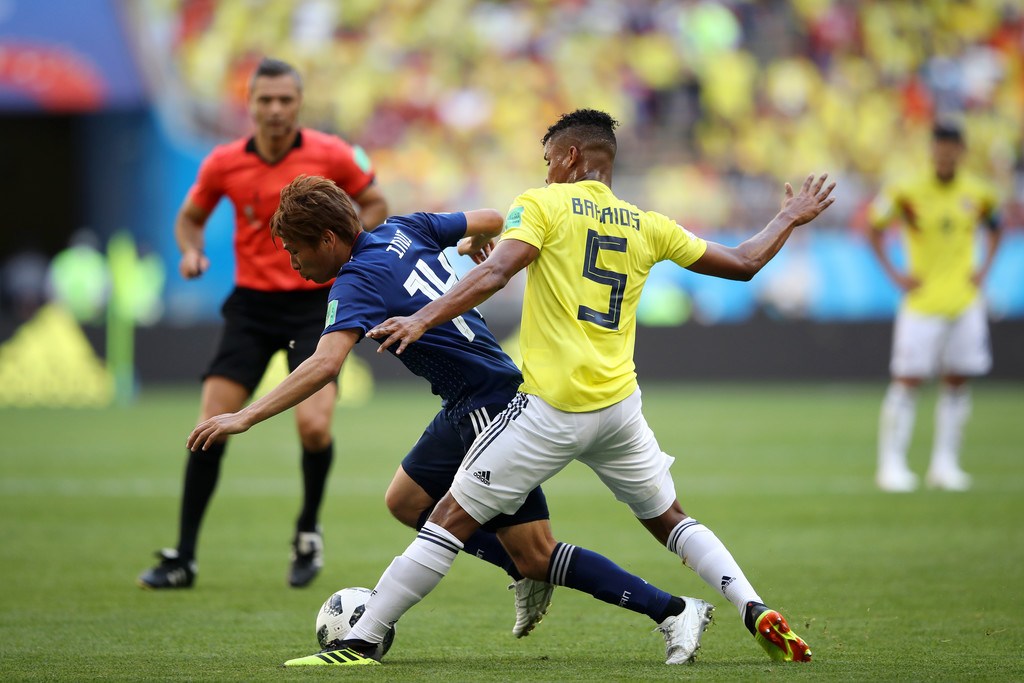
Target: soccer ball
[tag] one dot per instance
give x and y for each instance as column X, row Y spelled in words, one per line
column 339, row 614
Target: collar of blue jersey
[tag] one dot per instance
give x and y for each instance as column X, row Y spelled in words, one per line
column 358, row 243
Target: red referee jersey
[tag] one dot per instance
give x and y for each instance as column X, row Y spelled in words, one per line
column 254, row 187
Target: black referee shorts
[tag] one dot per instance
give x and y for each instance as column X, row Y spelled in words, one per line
column 259, row 324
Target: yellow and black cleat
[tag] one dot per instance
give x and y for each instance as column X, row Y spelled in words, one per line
column 345, row 657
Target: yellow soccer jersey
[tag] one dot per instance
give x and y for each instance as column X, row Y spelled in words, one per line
column 579, row 309
column 939, row 221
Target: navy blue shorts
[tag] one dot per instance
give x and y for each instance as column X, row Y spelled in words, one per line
column 259, row 324
column 434, row 460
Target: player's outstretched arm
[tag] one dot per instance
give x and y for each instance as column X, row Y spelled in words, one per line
column 507, row 259
column 307, row 379
column 744, row 261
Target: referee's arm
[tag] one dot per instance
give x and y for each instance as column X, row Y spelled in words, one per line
column 189, row 233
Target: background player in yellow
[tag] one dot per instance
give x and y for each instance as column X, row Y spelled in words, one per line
column 588, row 254
column 941, row 327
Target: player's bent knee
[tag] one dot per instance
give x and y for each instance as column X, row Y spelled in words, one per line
column 315, row 434
column 406, row 516
column 407, row 501
column 402, row 509
column 450, row 515
column 314, row 425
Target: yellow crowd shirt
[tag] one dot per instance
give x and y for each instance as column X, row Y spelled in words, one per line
column 579, row 309
column 939, row 221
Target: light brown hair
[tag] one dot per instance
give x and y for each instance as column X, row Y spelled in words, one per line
column 311, row 204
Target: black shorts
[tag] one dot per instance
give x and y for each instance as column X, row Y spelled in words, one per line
column 436, row 457
column 259, row 324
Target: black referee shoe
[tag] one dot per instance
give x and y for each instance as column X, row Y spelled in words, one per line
column 307, row 558
column 172, row 572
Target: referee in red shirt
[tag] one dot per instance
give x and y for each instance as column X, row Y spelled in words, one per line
column 272, row 307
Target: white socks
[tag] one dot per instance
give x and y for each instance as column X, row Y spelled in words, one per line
column 895, row 427
column 406, row 581
column 702, row 552
column 951, row 412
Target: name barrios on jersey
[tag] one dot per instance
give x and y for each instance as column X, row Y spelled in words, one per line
column 609, row 215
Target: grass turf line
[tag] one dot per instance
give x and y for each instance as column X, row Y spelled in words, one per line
column 922, row 586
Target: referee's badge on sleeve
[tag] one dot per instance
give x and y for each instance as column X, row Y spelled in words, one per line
column 332, row 313
column 362, row 159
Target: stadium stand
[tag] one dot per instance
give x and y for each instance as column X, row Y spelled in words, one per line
column 721, row 100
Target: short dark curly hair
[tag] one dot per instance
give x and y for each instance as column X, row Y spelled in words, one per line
column 588, row 125
column 948, row 130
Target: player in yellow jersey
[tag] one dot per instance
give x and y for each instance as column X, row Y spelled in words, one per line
column 588, row 254
column 941, row 326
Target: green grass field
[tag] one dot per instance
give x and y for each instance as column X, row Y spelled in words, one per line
column 912, row 587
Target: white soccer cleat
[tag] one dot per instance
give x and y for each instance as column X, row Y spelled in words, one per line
column 532, row 601
column 683, row 631
column 948, row 480
column 893, row 480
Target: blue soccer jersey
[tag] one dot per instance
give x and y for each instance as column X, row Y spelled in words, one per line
column 395, row 271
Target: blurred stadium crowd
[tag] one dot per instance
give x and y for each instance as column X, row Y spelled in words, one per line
column 720, row 101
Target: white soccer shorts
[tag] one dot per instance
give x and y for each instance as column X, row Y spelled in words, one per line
column 532, row 441
column 924, row 346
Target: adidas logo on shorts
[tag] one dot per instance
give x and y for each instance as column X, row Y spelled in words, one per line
column 484, row 476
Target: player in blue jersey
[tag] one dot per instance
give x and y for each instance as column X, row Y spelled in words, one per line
column 395, row 270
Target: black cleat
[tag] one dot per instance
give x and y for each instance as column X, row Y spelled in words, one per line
column 307, row 558
column 172, row 572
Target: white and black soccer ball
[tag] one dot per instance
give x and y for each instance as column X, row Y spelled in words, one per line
column 339, row 614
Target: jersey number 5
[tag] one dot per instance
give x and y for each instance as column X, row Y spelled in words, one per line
column 423, row 279
column 617, row 281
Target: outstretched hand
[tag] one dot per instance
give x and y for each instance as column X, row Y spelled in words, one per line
column 403, row 331
column 214, row 429
column 475, row 248
column 805, row 206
